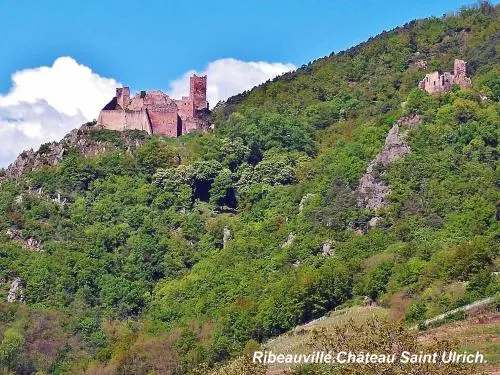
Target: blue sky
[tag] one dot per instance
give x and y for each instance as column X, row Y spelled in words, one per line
column 61, row 60
column 149, row 43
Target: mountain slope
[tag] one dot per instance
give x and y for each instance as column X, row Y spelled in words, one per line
column 178, row 253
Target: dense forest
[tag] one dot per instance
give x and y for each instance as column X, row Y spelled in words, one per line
column 180, row 254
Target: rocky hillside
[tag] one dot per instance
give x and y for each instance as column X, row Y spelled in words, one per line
column 339, row 183
column 86, row 140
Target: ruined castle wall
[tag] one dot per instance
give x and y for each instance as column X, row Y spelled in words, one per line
column 463, row 81
column 201, row 121
column 437, row 82
column 136, row 104
column 124, row 120
column 112, row 119
column 158, row 99
column 165, row 122
column 189, row 125
column 460, row 72
column 137, row 120
column 185, row 107
column 459, row 67
column 432, row 82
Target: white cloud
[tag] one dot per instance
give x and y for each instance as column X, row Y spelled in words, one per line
column 227, row 77
column 45, row 103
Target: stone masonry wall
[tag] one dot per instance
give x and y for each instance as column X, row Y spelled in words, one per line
column 165, row 122
column 155, row 112
column 437, row 82
column 124, row 120
column 198, row 91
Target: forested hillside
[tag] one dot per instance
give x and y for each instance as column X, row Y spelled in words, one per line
column 177, row 255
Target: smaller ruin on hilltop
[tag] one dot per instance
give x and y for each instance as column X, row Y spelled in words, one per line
column 437, row 82
column 156, row 113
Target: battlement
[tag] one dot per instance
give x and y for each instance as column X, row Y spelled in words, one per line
column 156, row 113
column 437, row 82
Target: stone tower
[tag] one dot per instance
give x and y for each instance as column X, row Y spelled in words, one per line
column 123, row 96
column 459, row 68
column 460, row 73
column 198, row 91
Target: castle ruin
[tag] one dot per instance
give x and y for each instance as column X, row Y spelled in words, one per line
column 156, row 113
column 437, row 82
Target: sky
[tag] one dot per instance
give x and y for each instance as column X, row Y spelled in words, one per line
column 60, row 61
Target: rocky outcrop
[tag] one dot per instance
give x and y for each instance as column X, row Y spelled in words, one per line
column 290, row 240
column 31, row 160
column 372, row 191
column 30, row 243
column 372, row 188
column 16, row 292
column 421, row 64
column 395, row 147
column 51, row 154
column 226, row 236
column 374, row 222
column 409, row 121
column 326, row 248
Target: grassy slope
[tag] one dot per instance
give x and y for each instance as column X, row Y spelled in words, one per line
column 478, row 332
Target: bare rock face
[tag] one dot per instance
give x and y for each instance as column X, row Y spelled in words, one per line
column 409, row 121
column 19, row 199
column 395, row 147
column 372, row 189
column 226, row 236
column 31, row 160
column 290, row 240
column 51, row 154
column 30, row 243
column 371, row 192
column 16, row 291
column 374, row 222
column 326, row 249
column 421, row 64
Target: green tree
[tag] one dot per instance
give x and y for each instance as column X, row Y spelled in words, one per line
column 11, row 348
column 222, row 192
